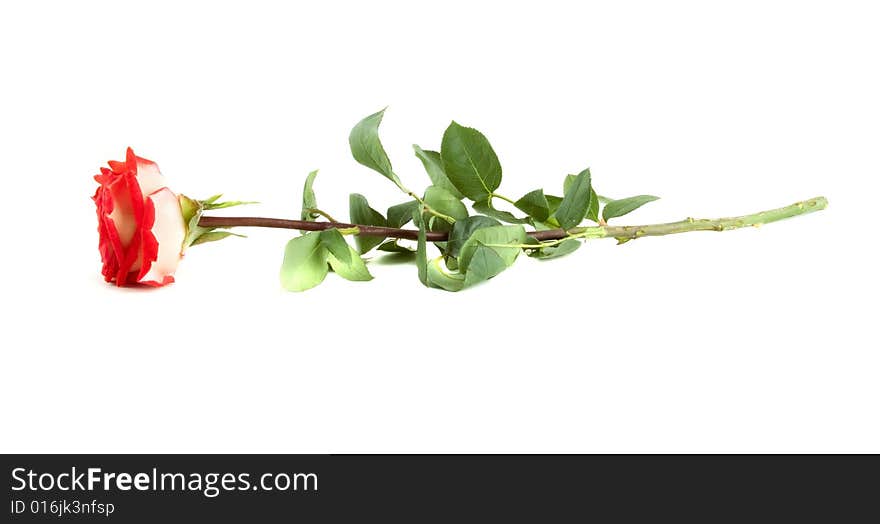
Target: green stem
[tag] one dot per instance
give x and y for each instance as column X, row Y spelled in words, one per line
column 324, row 214
column 502, row 197
column 624, row 233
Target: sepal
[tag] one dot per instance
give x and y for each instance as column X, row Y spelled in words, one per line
column 192, row 210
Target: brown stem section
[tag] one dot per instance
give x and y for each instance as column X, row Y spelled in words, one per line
column 305, row 225
column 369, row 231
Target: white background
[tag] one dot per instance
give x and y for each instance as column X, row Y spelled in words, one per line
column 750, row 341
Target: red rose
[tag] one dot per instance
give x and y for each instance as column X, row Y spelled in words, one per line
column 140, row 223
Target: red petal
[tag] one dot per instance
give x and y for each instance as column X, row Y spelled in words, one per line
column 118, row 168
column 149, row 244
column 132, row 251
column 130, row 160
column 107, row 235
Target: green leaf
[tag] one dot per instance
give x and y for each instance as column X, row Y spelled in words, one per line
column 305, row 263
column 399, row 215
column 446, row 203
column 485, row 207
column 434, row 166
column 535, row 205
column 485, row 263
column 463, row 229
column 354, row 269
column 360, row 212
column 593, row 210
column 553, row 201
column 489, row 251
column 618, row 208
column 213, row 236
column 559, row 250
column 440, row 276
column 470, row 162
column 336, row 245
column 309, row 201
column 504, row 241
column 367, row 149
column 393, row 246
column 422, row 249
column 575, row 202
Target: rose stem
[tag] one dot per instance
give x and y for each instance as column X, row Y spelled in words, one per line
column 621, row 233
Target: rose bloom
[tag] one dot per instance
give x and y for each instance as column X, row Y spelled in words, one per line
column 140, row 223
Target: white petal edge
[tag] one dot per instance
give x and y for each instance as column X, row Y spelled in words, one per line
column 122, row 214
column 149, row 177
column 169, row 231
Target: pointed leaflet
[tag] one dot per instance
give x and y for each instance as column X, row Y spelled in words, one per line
column 434, row 166
column 559, row 250
column 488, row 251
column 576, row 201
column 618, row 208
column 360, row 212
column 354, row 269
column 422, row 249
column 592, row 210
column 535, row 205
column 336, row 245
column 463, row 229
column 446, row 203
column 309, row 201
column 485, row 263
column 400, row 214
column 305, row 263
column 505, row 240
column 553, row 201
column 470, row 162
column 394, row 246
column 367, row 149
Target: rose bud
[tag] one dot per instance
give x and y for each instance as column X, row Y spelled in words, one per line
column 140, row 222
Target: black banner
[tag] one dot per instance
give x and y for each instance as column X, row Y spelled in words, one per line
column 414, row 488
